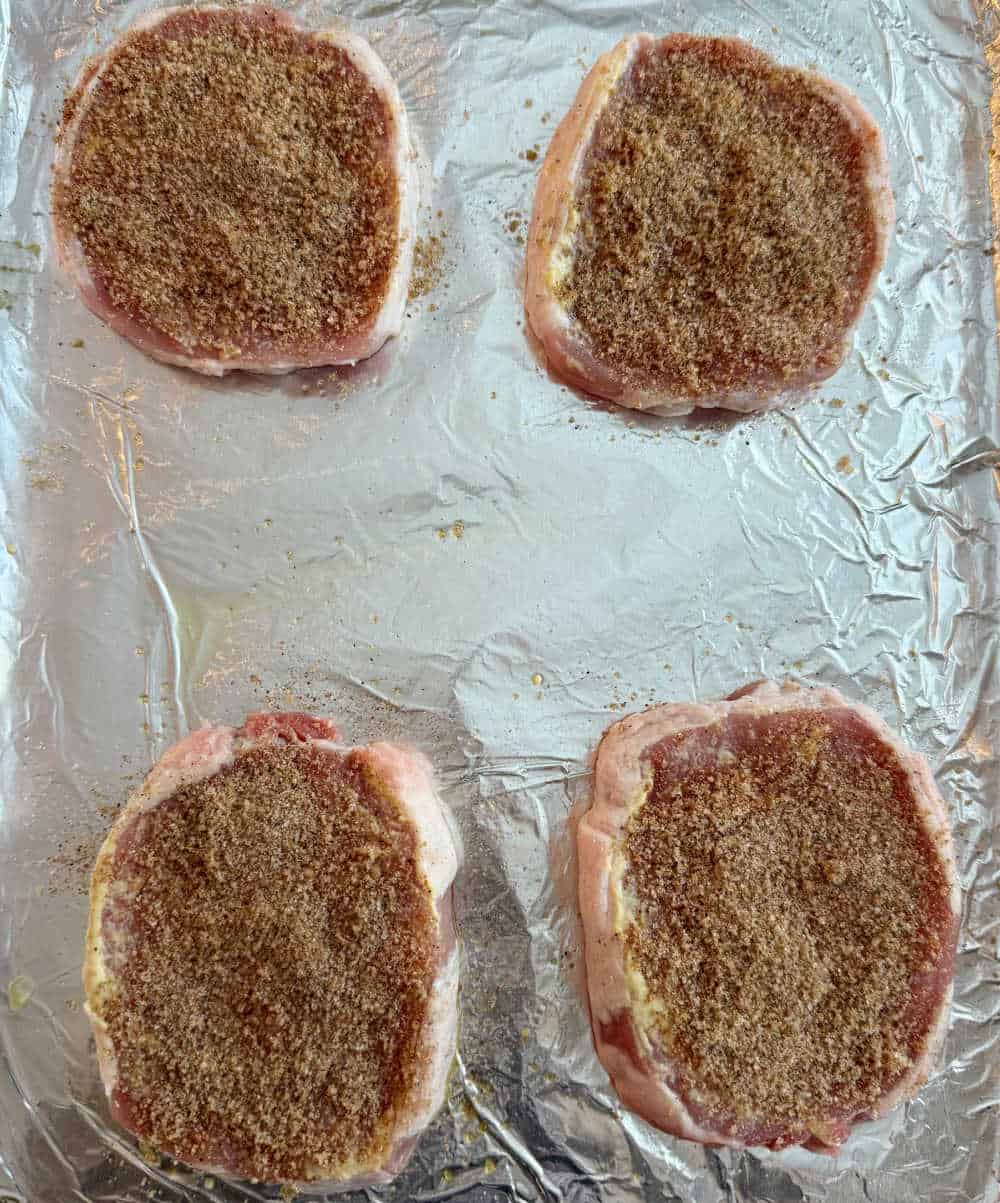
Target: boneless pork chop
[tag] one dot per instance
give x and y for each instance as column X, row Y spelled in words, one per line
column 707, row 227
column 271, row 967
column 770, row 907
column 232, row 191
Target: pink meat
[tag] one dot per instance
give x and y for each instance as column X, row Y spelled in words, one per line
column 565, row 343
column 407, row 777
column 256, row 354
column 676, row 739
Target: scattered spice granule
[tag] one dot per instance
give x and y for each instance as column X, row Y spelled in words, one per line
column 724, row 223
column 274, row 947
column 230, row 186
column 787, row 900
column 19, row 992
column 73, row 859
column 47, row 482
column 428, row 265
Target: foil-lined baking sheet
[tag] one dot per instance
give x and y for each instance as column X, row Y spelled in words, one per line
column 445, row 546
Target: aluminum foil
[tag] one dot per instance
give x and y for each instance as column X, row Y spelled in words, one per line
column 445, row 546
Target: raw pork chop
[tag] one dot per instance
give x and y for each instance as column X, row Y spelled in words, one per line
column 770, row 908
column 707, row 227
column 232, row 191
column 271, row 969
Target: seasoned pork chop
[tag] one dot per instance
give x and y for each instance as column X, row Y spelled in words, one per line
column 232, row 191
column 271, row 967
column 707, row 227
column 770, row 908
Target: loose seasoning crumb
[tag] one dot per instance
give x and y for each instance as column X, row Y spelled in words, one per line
column 428, row 265
column 724, row 224
column 229, row 184
column 276, row 952
column 75, row 855
column 148, row 1153
column 456, row 530
column 19, row 992
column 47, row 482
column 786, row 898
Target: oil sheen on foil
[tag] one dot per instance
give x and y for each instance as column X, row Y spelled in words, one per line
column 445, row 546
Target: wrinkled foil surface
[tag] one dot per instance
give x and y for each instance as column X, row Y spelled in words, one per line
column 445, row 546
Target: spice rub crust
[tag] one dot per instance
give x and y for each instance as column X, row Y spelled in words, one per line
column 790, row 917
column 232, row 186
column 270, row 941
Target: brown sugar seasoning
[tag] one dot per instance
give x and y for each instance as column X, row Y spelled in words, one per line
column 231, row 185
column 726, row 232
column 270, row 939
column 785, row 904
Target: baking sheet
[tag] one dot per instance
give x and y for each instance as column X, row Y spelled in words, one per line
column 445, row 546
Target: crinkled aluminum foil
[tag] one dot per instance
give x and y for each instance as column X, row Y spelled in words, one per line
column 445, row 546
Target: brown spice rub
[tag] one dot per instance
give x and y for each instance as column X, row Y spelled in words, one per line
column 231, row 185
column 271, row 937
column 725, row 228
column 789, row 910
